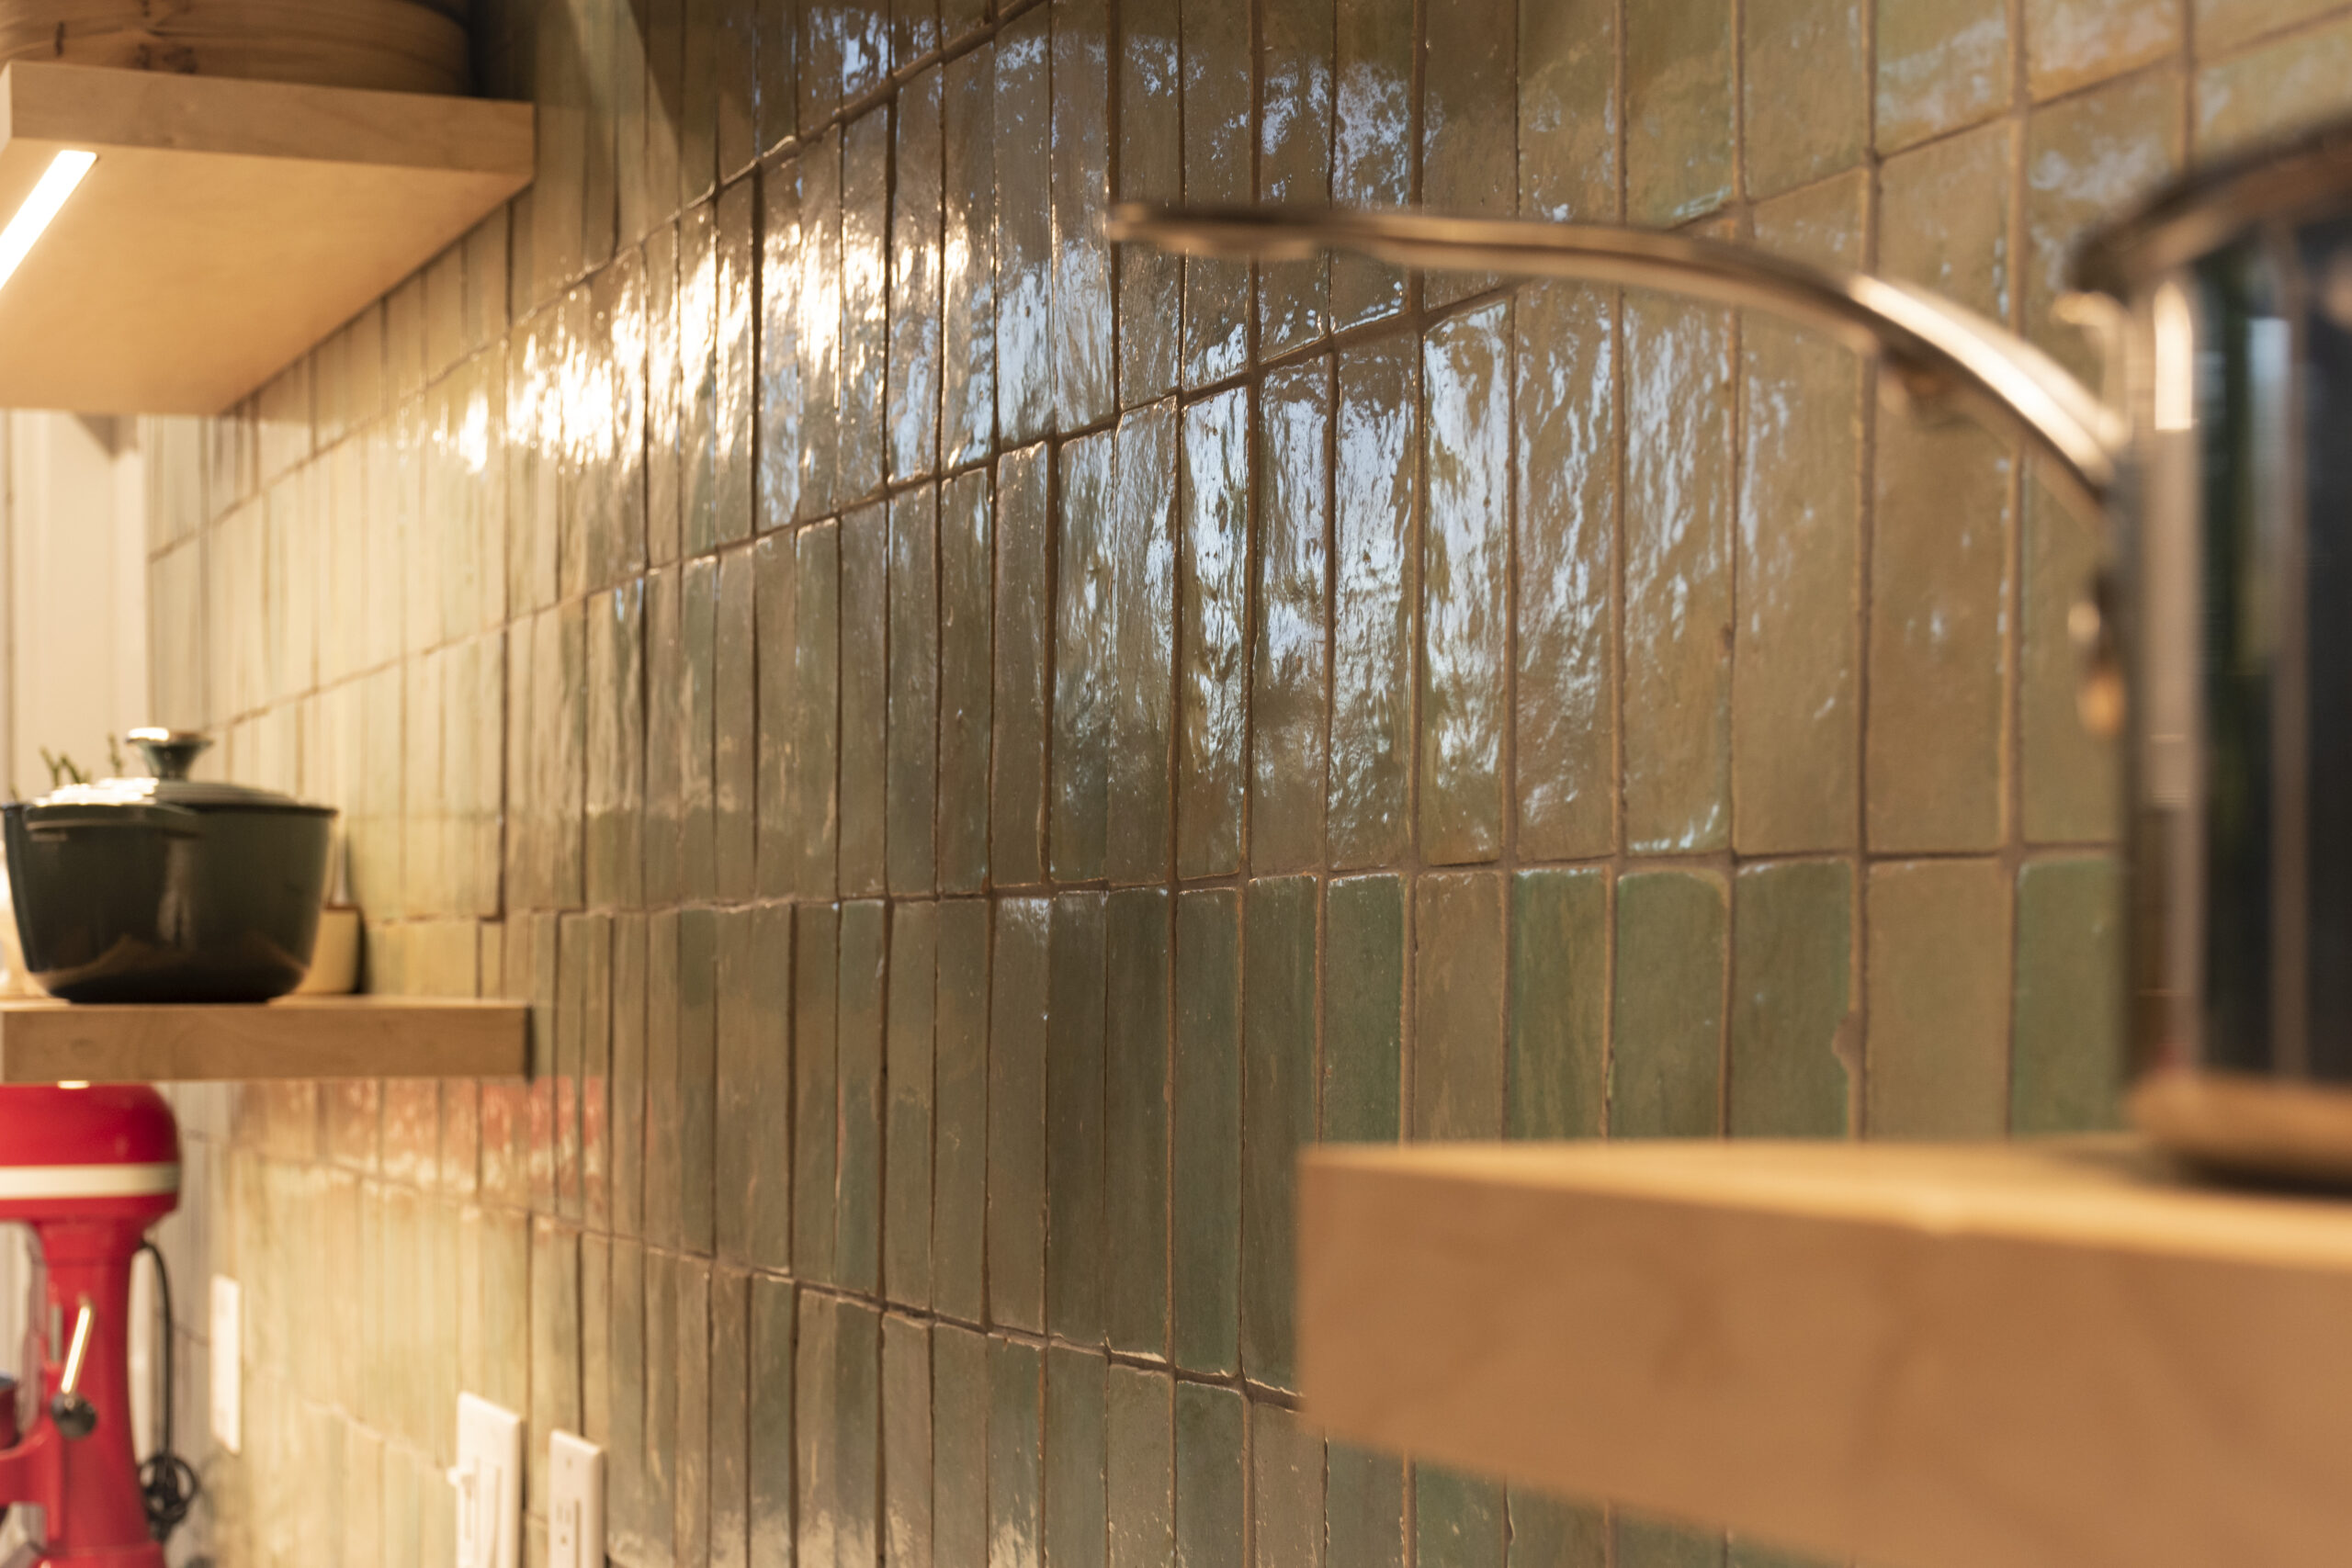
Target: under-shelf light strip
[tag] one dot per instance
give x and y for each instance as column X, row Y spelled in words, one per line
column 64, row 172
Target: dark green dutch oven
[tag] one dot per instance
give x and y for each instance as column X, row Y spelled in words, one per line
column 167, row 889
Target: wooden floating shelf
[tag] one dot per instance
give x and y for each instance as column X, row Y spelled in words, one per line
column 227, row 225
column 1917, row 1355
column 299, row 1037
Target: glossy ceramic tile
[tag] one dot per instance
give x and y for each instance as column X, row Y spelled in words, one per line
column 1938, row 998
column 1363, row 1023
column 1555, row 1533
column 1466, row 574
column 1793, row 1032
column 816, row 981
column 1458, row 1519
column 1213, row 594
column 1680, row 109
column 910, row 1010
column 1210, row 1481
column 1375, row 575
column 1940, row 66
column 1804, row 90
column 2069, row 44
column 1278, row 1099
column 1143, row 567
column 1020, row 994
column 1084, row 648
column 2067, row 1055
column 1458, row 966
column 1150, row 167
column 1139, row 1469
column 1289, row 676
column 1205, row 1155
column 1559, row 1004
column 1018, row 702
column 1076, row 1529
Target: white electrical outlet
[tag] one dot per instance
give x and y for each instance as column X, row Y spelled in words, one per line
column 488, row 1479
column 575, row 1502
column 227, row 1375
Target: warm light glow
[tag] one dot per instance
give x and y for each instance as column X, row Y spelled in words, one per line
column 2175, row 366
column 65, row 172
column 73, row 1083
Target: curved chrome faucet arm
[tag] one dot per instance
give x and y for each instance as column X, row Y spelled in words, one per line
column 1936, row 349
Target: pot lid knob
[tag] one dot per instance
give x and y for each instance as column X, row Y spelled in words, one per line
column 169, row 753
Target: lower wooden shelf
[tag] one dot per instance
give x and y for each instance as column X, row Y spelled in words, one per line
column 297, row 1037
column 1918, row 1356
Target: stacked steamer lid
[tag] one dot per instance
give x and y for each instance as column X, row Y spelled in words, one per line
column 406, row 46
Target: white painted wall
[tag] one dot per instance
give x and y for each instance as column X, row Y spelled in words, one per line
column 73, row 647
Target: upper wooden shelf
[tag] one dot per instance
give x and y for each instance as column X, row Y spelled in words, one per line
column 226, row 227
column 1922, row 1357
column 299, row 1037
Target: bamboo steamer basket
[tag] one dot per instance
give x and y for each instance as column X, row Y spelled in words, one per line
column 390, row 45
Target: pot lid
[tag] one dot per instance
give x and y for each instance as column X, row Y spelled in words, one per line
column 170, row 752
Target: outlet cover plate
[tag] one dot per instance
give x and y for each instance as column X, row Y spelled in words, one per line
column 228, row 1386
column 575, row 1502
column 488, row 1479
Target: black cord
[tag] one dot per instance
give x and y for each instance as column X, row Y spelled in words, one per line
column 167, row 1484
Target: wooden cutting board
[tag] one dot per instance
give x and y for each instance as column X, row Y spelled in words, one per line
column 390, row 45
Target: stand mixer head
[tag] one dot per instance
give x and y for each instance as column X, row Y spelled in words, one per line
column 89, row 1169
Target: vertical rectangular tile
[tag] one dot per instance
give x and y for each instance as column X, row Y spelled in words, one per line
column 1136, row 955
column 816, row 1429
column 857, row 1435
column 1278, row 1096
column 1085, row 644
column 968, row 244
column 1937, row 988
column 1458, row 1519
column 1549, row 1532
column 1678, row 111
column 1678, row 613
column 1469, row 129
column 1076, row 1532
column 910, row 1011
column 1941, row 64
column 1937, row 648
column 661, row 378
column 965, row 681
column 1142, row 614
column 1214, row 114
column 697, row 101
column 1796, row 711
column 1213, row 525
column 1466, row 573
column 1375, row 575
column 698, row 377
column 1074, row 1120
column 1665, row 1073
column 918, row 205
column 664, row 1114
column 735, row 372
column 866, row 349
column 857, row 1259
column 819, row 338
column 780, row 393
column 1017, row 801
column 816, row 981
column 2270, row 92
column 814, row 741
column 1084, row 382
column 865, row 699
column 1458, row 964
column 1792, row 999
column 659, row 1496
column 1138, row 1429
column 1151, row 167
column 1804, row 91
column 776, row 605
column 1014, row 1472
column 613, row 796
column 959, row 1158
column 698, row 957
column 1363, row 1008
column 739, row 1126
column 737, row 71
column 1371, row 142
column 765, row 1033
column 1559, row 1003
column 2070, row 787
column 959, row 1448
column 1659, row 1543
column 628, row 1074
column 770, row 1446
column 1295, row 47
column 1025, row 278
column 1211, row 1482
column 1020, row 992
column 1565, row 598
column 1289, row 675
column 905, row 1442
column 555, row 1332
column 665, row 738
column 1206, row 1245
column 2066, row 1066
column 1569, row 111
column 1286, row 1489
column 1363, row 1507
column 730, row 1372
column 734, row 721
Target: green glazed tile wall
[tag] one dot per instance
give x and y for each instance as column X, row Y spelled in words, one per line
column 976, row 746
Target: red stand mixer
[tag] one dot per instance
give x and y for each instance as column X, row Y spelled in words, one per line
column 89, row 1169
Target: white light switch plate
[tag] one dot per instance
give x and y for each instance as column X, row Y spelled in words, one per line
column 575, row 1502
column 488, row 1479
column 228, row 1390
